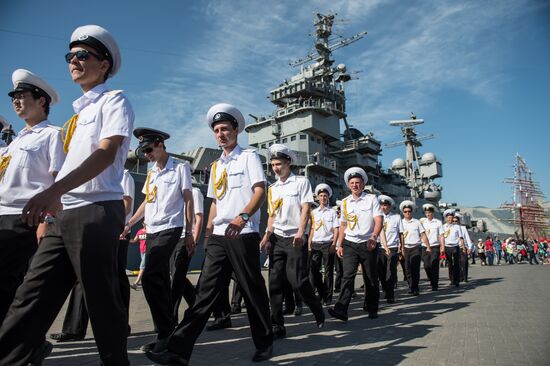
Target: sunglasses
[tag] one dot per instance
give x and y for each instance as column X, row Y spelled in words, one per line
column 81, row 55
column 148, row 150
column 406, row 211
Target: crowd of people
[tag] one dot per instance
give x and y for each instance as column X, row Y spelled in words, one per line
column 510, row 251
column 67, row 208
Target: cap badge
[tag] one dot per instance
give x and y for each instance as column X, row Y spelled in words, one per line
column 83, row 37
column 217, row 116
column 141, row 138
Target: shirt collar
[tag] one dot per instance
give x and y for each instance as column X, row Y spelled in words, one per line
column 36, row 128
column 89, row 97
column 361, row 197
column 232, row 155
column 169, row 165
column 291, row 178
column 322, row 209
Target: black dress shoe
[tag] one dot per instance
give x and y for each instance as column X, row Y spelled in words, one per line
column 327, row 302
column 40, row 353
column 148, row 347
column 320, row 319
column 338, row 314
column 373, row 315
column 278, row 332
column 235, row 309
column 66, row 337
column 416, row 293
column 298, row 311
column 262, row 355
column 167, row 358
column 220, row 324
column 434, row 288
column 353, row 294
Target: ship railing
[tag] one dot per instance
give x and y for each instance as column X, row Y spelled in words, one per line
column 303, row 159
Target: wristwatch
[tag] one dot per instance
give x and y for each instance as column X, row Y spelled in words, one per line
column 244, row 216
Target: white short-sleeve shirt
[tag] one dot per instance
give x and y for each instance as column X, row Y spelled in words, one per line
column 167, row 209
column 36, row 155
column 295, row 191
column 434, row 229
column 244, row 170
column 466, row 236
column 452, row 234
column 412, row 232
column 392, row 227
column 366, row 207
column 129, row 190
column 101, row 114
column 198, row 207
column 325, row 220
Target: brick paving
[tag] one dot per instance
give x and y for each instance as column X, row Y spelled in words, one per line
column 500, row 317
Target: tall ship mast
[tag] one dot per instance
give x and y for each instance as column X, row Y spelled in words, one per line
column 309, row 110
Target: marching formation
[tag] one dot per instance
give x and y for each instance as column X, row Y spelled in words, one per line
column 67, row 208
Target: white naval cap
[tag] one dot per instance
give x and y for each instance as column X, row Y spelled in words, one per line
column 386, row 199
column 355, row 172
column 225, row 112
column 323, row 187
column 407, row 203
column 25, row 80
column 429, row 206
column 280, row 151
column 458, row 215
column 449, row 212
column 102, row 41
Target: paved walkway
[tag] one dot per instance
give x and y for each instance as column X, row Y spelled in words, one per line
column 501, row 317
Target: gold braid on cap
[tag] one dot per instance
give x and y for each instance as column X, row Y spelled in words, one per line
column 221, row 184
column 150, row 196
column 4, row 162
column 67, row 132
column 352, row 219
column 318, row 226
column 273, row 208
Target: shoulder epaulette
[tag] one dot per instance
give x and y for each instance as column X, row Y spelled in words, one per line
column 249, row 150
column 57, row 128
column 114, row 92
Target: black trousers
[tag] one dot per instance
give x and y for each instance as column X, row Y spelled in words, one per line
column 180, row 285
column 453, row 258
column 431, row 264
column 387, row 271
column 355, row 254
column 237, row 297
column 82, row 246
column 413, row 257
column 463, row 266
column 156, row 279
column 288, row 260
column 320, row 254
column 224, row 255
column 222, row 308
column 17, row 246
column 76, row 316
column 339, row 272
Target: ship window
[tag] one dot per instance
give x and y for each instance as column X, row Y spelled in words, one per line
column 285, row 140
column 293, row 138
column 318, row 140
column 263, row 146
column 271, row 143
column 303, row 137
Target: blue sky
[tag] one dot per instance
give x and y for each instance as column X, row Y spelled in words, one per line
column 478, row 72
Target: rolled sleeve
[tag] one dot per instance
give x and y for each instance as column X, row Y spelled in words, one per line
column 255, row 171
column 118, row 117
column 56, row 153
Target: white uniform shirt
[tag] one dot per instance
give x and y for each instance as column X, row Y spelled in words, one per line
column 36, row 154
column 129, row 190
column 295, row 191
column 198, row 208
column 412, row 232
column 325, row 221
column 466, row 236
column 392, row 227
column 452, row 234
column 167, row 211
column 244, row 170
column 366, row 207
column 101, row 114
column 434, row 229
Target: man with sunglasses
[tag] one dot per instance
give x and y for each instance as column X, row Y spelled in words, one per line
column 454, row 241
column 237, row 189
column 167, row 209
column 28, row 165
column 391, row 238
column 360, row 225
column 434, row 232
column 414, row 235
column 83, row 241
column 467, row 244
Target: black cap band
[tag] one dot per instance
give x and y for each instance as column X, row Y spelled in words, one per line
column 280, row 155
column 385, row 201
column 97, row 45
column 25, row 86
column 355, row 175
column 222, row 116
